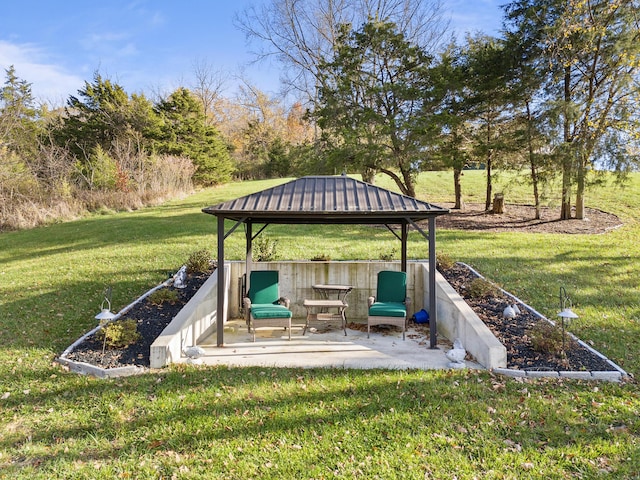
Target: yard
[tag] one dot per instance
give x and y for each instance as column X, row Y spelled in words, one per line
column 295, row 423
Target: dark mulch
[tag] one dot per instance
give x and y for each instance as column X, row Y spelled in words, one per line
column 514, row 333
column 152, row 320
column 521, row 218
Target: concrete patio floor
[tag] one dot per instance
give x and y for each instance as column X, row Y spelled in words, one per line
column 327, row 346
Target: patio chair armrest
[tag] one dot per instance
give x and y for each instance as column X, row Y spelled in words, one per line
column 246, row 302
column 284, row 301
column 407, row 303
column 371, row 301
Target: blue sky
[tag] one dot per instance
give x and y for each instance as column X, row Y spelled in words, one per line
column 149, row 45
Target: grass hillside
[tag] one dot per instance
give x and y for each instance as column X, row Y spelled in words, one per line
column 293, row 423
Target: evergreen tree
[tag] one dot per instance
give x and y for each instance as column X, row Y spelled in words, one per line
column 184, row 132
column 102, row 115
column 488, row 102
column 373, row 97
column 18, row 116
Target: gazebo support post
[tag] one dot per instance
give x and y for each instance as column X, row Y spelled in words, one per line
column 433, row 320
column 249, row 252
column 221, row 283
column 403, row 252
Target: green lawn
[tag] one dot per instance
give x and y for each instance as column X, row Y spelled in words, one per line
column 293, row 423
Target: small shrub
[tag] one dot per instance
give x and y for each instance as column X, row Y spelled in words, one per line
column 265, row 249
column 323, row 257
column 546, row 338
column 388, row 256
column 163, row 295
column 480, row 288
column 444, row 262
column 120, row 333
column 199, row 262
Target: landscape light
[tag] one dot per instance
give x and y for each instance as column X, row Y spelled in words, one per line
column 566, row 315
column 105, row 315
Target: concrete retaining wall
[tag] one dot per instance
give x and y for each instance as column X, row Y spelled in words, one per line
column 456, row 319
column 297, row 278
column 195, row 321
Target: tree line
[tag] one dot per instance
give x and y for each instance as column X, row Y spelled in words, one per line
column 381, row 87
column 556, row 93
column 107, row 148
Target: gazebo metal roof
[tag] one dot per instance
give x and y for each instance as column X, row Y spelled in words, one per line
column 327, row 200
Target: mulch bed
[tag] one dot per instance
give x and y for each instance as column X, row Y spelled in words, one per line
column 521, row 218
column 151, row 319
column 513, row 333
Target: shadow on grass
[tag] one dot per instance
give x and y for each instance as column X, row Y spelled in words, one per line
column 189, row 411
column 94, row 233
column 55, row 319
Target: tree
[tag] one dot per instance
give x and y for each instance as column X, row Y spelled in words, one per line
column 374, row 97
column 255, row 122
column 102, row 114
column 487, row 98
column 184, row 132
column 300, row 34
column 530, row 121
column 18, row 116
column 592, row 50
column 453, row 118
column 208, row 88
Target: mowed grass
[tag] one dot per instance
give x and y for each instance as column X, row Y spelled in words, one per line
column 294, row 423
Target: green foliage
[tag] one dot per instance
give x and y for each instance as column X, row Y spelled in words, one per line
column 585, row 54
column 103, row 114
column 184, row 132
column 199, row 261
column 120, row 333
column 100, row 170
column 163, row 295
column 480, row 288
column 265, row 249
column 389, row 255
column 370, row 96
column 15, row 176
column 278, row 160
column 19, row 125
column 444, row 261
column 547, row 338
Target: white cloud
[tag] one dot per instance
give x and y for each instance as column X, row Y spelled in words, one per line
column 49, row 83
column 471, row 17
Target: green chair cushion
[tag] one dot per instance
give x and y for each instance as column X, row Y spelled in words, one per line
column 263, row 287
column 262, row 311
column 388, row 309
column 392, row 286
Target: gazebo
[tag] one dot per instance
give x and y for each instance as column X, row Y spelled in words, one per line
column 328, row 200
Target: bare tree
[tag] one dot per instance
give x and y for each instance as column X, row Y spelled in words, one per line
column 302, row 33
column 208, row 87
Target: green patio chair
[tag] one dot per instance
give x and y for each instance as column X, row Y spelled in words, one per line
column 389, row 306
column 264, row 307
